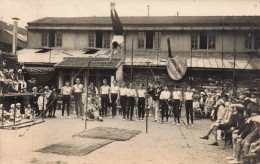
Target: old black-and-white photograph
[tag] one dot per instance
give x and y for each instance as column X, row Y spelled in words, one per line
column 129, row 81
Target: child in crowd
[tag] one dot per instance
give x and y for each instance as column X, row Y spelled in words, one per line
column 28, row 112
column 92, row 109
column 196, row 107
column 18, row 115
column 42, row 102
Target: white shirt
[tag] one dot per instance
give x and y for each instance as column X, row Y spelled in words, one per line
column 165, row 95
column 114, row 89
column 131, row 93
column 66, row 90
column 176, row 95
column 188, row 95
column 123, row 91
column 78, row 88
column 141, row 92
column 105, row 90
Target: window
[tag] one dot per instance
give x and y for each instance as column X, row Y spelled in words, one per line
column 203, row 41
column 58, row 39
column 194, row 41
column 106, row 40
column 91, row 40
column 249, row 41
column 99, row 39
column 211, row 42
column 157, row 40
column 45, row 39
column 149, row 40
column 141, row 38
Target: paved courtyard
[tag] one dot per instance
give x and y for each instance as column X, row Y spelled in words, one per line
column 164, row 143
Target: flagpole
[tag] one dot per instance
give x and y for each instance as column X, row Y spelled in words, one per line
column 191, row 60
column 234, row 56
column 222, row 57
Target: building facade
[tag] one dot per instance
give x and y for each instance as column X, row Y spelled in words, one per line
column 219, row 50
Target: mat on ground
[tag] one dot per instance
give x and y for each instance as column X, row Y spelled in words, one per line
column 108, row 133
column 75, row 146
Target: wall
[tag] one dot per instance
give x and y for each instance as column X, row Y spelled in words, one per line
column 34, row 39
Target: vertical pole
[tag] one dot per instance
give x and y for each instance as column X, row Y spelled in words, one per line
column 234, row 56
column 3, row 111
column 147, row 110
column 15, row 101
column 43, row 107
column 191, row 60
column 132, row 60
column 222, row 63
column 87, row 97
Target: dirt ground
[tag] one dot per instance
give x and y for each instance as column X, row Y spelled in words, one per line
column 164, row 143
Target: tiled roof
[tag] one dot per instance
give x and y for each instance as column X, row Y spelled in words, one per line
column 81, row 62
column 9, row 27
column 151, row 20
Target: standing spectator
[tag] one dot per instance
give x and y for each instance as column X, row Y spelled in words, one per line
column 177, row 97
column 114, row 98
column 31, row 84
column 48, row 95
column 141, row 93
column 131, row 94
column 105, row 97
column 78, row 90
column 156, row 102
column 66, row 92
column 34, row 101
column 42, row 102
column 21, row 83
column 53, row 102
column 123, row 98
column 188, row 99
column 165, row 97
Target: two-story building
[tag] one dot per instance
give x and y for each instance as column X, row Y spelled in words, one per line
column 218, row 49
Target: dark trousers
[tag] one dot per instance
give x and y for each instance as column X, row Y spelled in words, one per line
column 123, row 102
column 130, row 107
column 78, row 103
column 53, row 107
column 104, row 104
column 141, row 106
column 65, row 101
column 189, row 111
column 176, row 109
column 164, row 109
column 114, row 103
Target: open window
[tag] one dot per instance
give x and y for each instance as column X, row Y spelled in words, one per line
column 203, row 40
column 149, row 40
column 99, row 39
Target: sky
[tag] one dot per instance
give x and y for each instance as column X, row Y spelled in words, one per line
column 29, row 10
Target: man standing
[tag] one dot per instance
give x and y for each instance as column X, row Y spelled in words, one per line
column 177, row 97
column 188, row 99
column 48, row 95
column 123, row 98
column 114, row 98
column 156, row 102
column 105, row 97
column 141, row 93
column 78, row 89
column 131, row 95
column 165, row 97
column 66, row 92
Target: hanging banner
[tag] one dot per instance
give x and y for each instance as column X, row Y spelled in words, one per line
column 176, row 68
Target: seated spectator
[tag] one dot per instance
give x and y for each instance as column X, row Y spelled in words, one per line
column 208, row 104
column 5, row 115
column 28, row 112
column 92, row 109
column 31, row 83
column 17, row 114
column 196, row 107
column 228, row 120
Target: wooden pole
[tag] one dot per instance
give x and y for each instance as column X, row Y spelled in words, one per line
column 87, row 96
column 15, row 101
column 147, row 110
column 234, row 56
column 132, row 60
column 3, row 111
column 191, row 60
column 222, row 58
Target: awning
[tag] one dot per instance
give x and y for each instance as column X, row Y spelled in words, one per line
column 82, row 62
column 200, row 60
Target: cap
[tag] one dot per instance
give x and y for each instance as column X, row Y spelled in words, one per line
column 19, row 70
column 218, row 94
column 12, row 106
column 33, row 78
column 18, row 104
